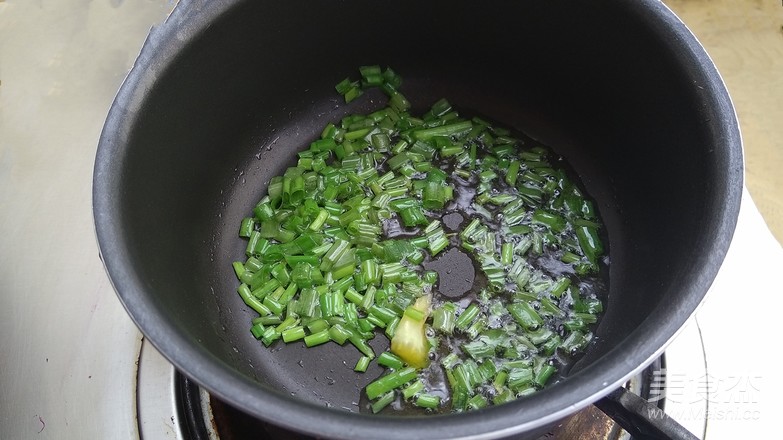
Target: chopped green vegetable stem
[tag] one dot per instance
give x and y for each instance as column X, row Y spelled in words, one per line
column 324, row 261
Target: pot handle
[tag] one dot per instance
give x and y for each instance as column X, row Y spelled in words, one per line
column 640, row 418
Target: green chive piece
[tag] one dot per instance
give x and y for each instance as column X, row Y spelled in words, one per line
column 390, row 360
column 428, row 401
column 383, row 402
column 390, row 382
column 319, row 338
column 362, row 364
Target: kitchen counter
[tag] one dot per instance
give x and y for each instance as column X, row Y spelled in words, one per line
column 745, row 40
column 69, row 350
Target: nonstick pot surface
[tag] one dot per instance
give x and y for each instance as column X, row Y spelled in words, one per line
column 225, row 93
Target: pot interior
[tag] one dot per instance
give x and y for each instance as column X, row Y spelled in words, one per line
column 211, row 113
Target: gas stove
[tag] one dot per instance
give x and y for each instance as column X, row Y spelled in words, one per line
column 74, row 366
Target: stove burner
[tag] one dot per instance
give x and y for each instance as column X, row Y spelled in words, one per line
column 207, row 418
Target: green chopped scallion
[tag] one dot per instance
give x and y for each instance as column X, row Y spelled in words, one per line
column 340, row 247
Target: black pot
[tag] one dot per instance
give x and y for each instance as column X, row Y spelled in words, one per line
column 226, row 92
